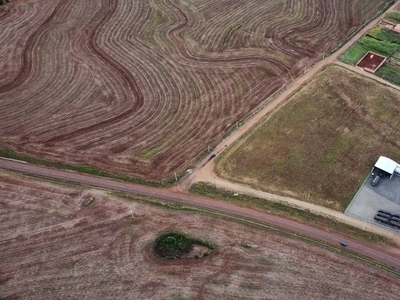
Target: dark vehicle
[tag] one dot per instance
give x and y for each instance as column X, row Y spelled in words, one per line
column 376, row 180
column 396, row 219
column 395, row 224
column 344, row 244
column 384, row 215
column 384, row 212
column 381, row 219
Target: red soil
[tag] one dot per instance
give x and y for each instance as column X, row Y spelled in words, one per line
column 371, row 61
column 143, row 87
column 53, row 247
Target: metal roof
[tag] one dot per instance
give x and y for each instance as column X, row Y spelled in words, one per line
column 386, row 164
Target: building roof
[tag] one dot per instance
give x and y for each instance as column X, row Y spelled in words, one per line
column 397, row 28
column 386, row 164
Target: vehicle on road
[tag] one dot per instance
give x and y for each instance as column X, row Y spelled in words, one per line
column 344, row 244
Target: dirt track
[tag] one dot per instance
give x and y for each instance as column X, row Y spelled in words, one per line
column 54, row 247
column 374, row 252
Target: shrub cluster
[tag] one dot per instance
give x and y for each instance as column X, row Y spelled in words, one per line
column 173, row 245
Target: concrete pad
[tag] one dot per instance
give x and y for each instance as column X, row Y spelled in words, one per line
column 369, row 199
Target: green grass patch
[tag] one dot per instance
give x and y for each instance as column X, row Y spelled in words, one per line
column 353, row 54
column 381, row 47
column 393, row 16
column 210, row 190
column 81, row 168
column 389, row 72
column 384, row 34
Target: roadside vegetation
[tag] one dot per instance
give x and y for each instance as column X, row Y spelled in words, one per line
column 210, row 190
column 320, row 146
column 80, row 168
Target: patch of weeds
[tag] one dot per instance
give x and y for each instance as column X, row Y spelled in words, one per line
column 353, row 54
column 210, row 190
column 393, row 16
column 390, row 73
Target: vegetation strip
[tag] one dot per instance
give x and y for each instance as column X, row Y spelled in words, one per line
column 210, row 190
column 249, row 222
column 6, row 153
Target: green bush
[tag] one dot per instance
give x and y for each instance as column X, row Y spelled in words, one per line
column 381, row 47
column 173, row 245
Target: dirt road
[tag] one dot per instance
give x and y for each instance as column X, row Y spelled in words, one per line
column 205, row 169
column 275, row 102
column 373, row 252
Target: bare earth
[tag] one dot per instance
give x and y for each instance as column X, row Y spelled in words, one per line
column 143, row 87
column 52, row 247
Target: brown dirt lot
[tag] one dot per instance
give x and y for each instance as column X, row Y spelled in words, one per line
column 143, row 87
column 52, row 247
column 321, row 145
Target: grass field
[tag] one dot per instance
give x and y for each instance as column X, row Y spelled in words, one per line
column 321, row 145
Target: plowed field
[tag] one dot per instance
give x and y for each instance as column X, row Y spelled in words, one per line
column 143, row 87
column 53, row 247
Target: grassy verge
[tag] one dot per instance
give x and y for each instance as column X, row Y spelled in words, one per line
column 80, row 168
column 210, row 190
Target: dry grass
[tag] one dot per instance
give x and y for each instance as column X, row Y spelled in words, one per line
column 320, row 145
